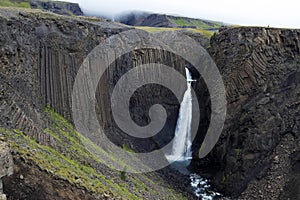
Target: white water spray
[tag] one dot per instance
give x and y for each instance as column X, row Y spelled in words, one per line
column 181, row 149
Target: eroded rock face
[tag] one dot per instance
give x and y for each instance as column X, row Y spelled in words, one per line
column 40, row 57
column 6, row 162
column 40, row 54
column 145, row 19
column 261, row 73
column 40, row 65
column 6, row 165
column 58, row 7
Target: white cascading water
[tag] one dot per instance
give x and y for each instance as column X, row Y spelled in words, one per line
column 181, row 153
column 181, row 149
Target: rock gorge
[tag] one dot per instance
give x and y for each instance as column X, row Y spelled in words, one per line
column 40, row 54
column 260, row 68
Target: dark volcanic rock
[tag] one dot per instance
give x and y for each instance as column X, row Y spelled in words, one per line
column 162, row 20
column 30, row 182
column 260, row 68
column 40, row 54
column 133, row 19
column 58, row 7
column 292, row 187
column 157, row 20
column 144, row 19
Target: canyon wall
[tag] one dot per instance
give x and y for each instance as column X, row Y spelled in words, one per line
column 261, row 73
column 40, row 56
column 41, row 53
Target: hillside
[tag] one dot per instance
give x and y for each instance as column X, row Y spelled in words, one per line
column 58, row 7
column 161, row 20
column 16, row 4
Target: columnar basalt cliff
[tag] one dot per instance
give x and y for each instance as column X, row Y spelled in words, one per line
column 40, row 54
column 260, row 68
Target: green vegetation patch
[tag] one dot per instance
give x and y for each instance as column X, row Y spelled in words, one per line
column 8, row 3
column 205, row 33
column 180, row 21
column 66, row 156
column 51, row 160
column 156, row 29
column 69, row 159
column 202, row 24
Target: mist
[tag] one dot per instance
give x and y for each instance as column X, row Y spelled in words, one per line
column 283, row 14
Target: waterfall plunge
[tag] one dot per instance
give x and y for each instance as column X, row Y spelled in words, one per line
column 181, row 149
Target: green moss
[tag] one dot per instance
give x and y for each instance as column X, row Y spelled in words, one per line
column 156, row 29
column 201, row 24
column 237, row 152
column 205, row 25
column 203, row 32
column 127, row 148
column 63, row 166
column 62, row 129
column 38, row 13
column 223, row 179
column 179, row 21
column 226, row 177
column 8, row 3
column 123, row 174
column 69, row 159
column 71, row 163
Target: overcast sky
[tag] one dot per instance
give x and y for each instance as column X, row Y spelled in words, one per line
column 274, row 13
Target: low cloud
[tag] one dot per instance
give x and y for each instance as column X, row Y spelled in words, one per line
column 255, row 12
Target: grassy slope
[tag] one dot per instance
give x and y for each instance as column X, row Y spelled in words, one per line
column 201, row 24
column 180, row 22
column 70, row 160
column 205, row 33
column 8, row 3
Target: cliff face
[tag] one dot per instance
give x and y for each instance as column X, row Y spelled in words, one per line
column 40, row 66
column 58, row 7
column 261, row 72
column 40, row 56
column 6, row 165
column 161, row 20
column 146, row 19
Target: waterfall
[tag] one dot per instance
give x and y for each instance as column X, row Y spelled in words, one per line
column 181, row 149
column 181, row 153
